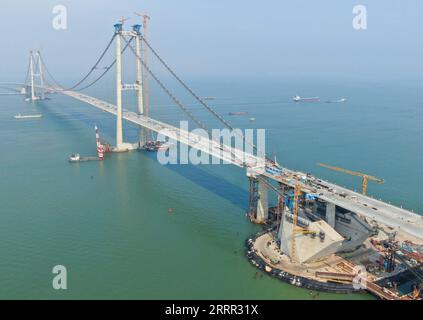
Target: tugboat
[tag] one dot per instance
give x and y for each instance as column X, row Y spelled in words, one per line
column 75, row 158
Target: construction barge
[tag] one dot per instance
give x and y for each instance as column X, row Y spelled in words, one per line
column 75, row 158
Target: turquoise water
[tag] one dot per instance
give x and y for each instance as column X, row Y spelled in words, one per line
column 109, row 222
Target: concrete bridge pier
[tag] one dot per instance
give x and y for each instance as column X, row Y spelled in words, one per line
column 262, row 202
column 330, row 214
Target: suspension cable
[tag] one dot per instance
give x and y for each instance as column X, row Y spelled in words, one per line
column 106, row 69
column 92, row 69
column 185, row 85
column 165, row 89
column 198, row 122
column 49, row 73
column 95, row 65
column 197, row 97
column 88, row 74
column 27, row 72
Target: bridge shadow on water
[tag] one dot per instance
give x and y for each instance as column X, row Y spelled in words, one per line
column 218, row 185
column 229, row 191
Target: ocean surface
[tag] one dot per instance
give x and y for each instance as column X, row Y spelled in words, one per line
column 131, row 228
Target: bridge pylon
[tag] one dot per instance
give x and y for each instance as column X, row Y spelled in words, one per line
column 137, row 86
column 35, row 71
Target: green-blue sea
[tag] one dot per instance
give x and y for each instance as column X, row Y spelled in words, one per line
column 110, row 224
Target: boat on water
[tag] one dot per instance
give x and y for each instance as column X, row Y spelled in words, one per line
column 237, row 113
column 32, row 116
column 337, row 101
column 155, row 146
column 209, row 98
column 75, row 158
column 297, row 98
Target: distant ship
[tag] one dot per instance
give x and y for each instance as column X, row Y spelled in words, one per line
column 237, row 113
column 297, row 98
column 337, row 101
column 209, row 98
column 34, row 116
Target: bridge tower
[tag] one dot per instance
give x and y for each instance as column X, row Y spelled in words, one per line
column 137, row 86
column 145, row 19
column 141, row 102
column 142, row 52
column 118, row 42
column 36, row 71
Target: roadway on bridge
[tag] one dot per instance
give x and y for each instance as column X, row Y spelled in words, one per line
column 366, row 206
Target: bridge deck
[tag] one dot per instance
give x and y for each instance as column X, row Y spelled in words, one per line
column 374, row 210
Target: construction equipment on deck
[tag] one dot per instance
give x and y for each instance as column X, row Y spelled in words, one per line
column 364, row 176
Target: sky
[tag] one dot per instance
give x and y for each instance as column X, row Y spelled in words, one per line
column 224, row 38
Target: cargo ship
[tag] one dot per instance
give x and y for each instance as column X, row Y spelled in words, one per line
column 33, row 116
column 297, row 98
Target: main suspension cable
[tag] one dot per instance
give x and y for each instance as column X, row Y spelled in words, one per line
column 87, row 75
column 198, row 122
column 197, row 97
column 95, row 65
column 27, row 71
column 201, row 101
column 49, row 73
column 106, row 69
column 165, row 89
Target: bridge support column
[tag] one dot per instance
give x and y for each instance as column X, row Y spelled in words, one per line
column 330, row 214
column 263, row 202
column 119, row 134
column 314, row 208
column 139, row 74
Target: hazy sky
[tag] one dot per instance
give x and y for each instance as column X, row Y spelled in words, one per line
column 268, row 38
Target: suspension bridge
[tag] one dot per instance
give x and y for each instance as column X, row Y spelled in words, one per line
column 334, row 204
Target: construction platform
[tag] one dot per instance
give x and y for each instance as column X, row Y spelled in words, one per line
column 336, row 273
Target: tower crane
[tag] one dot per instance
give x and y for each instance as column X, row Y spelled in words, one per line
column 365, row 177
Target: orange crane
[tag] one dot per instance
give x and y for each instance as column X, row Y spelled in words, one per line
column 364, row 176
